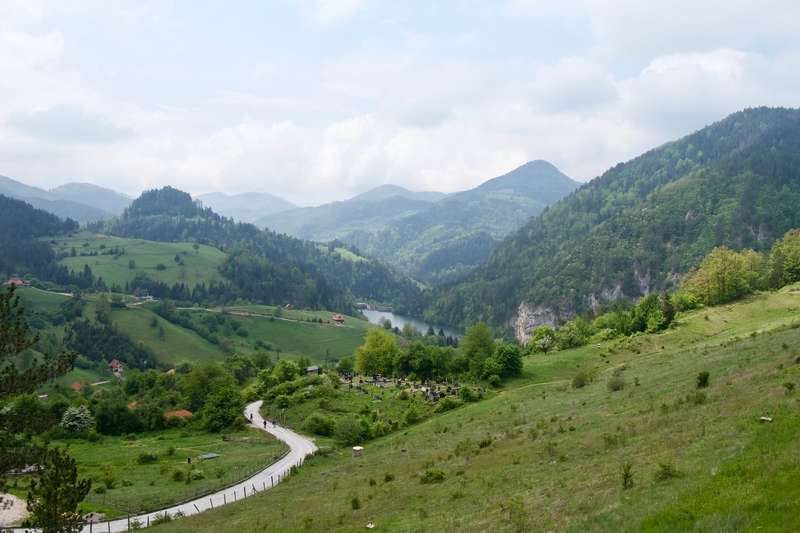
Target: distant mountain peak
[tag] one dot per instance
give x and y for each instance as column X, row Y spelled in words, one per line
column 388, row 190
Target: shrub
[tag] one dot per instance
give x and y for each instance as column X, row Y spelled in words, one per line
column 616, row 383
column 580, row 380
column 446, row 404
column 412, row 415
column 171, row 450
column 666, row 470
column 789, row 386
column 319, row 424
column 697, row 397
column 197, row 474
column 626, row 472
column 146, row 457
column 468, row 395
column 348, row 431
column 432, row 475
column 388, row 476
column 703, row 379
column 177, row 475
column 495, row 381
column 100, row 489
column 161, row 266
column 355, row 503
column 160, row 518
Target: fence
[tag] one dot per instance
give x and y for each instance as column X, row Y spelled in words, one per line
column 187, row 496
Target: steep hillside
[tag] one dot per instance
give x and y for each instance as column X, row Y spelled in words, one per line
column 246, row 207
column 21, row 251
column 640, row 447
column 427, row 240
column 640, row 226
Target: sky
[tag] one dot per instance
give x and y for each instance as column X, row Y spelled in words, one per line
column 319, row 100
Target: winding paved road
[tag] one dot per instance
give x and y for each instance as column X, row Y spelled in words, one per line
column 299, row 447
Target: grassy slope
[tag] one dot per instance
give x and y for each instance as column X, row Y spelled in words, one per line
column 201, row 266
column 289, row 332
column 540, row 474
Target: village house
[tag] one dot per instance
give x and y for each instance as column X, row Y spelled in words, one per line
column 312, row 370
column 16, row 282
column 339, row 319
column 181, row 413
column 115, row 366
column 289, row 307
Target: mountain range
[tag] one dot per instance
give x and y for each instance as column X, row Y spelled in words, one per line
column 245, row 207
column 431, row 236
column 82, row 202
column 639, row 227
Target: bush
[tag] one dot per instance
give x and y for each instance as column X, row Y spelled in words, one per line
column 703, row 379
column 432, row 475
column 580, row 380
column 697, row 397
column 616, row 383
column 411, row 416
column 177, row 475
column 626, row 471
column 100, row 489
column 160, row 518
column 348, row 431
column 146, row 457
column 666, row 470
column 355, row 503
column 495, row 381
column 468, row 395
column 446, row 404
column 388, row 476
column 161, row 266
column 197, row 474
column 319, row 424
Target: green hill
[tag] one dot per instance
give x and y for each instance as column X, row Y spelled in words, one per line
column 246, row 207
column 639, row 227
column 540, row 455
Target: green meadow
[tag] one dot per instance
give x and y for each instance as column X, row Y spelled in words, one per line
column 150, row 471
column 199, row 266
column 638, row 448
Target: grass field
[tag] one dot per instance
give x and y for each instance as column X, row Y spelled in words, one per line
column 151, row 485
column 200, row 266
column 543, row 456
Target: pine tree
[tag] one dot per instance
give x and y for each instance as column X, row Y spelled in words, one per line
column 53, row 500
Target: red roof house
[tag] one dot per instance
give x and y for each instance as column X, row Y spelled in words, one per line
column 289, row 307
column 115, row 366
column 338, row 318
column 78, row 385
column 17, row 282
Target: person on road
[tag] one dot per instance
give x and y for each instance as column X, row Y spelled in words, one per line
column 265, row 424
column 274, row 424
column 251, row 417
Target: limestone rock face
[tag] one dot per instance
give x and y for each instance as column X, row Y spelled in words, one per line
column 530, row 318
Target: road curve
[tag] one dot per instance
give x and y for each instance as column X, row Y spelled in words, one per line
column 299, row 447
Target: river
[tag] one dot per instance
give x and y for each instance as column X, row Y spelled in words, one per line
column 401, row 320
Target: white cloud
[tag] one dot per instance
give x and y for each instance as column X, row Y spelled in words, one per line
column 280, row 102
column 331, row 12
column 69, row 124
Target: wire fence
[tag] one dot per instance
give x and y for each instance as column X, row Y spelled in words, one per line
column 178, row 498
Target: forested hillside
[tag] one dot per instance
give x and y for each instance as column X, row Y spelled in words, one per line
column 640, row 226
column 426, row 239
column 21, row 251
column 261, row 266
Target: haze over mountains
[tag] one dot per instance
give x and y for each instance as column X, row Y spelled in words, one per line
column 432, row 237
column 82, row 202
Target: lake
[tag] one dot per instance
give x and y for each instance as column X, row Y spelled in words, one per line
column 401, row 320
